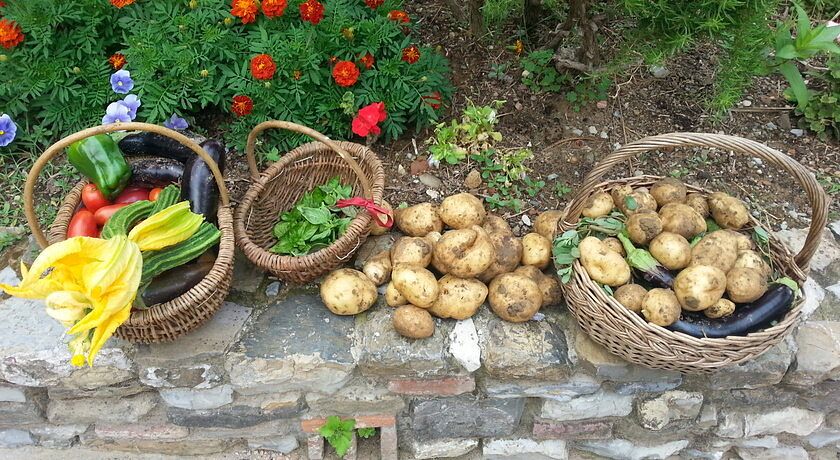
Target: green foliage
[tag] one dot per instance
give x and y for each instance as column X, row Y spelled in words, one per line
column 587, row 89
column 566, row 247
column 506, row 176
column 7, row 240
column 366, row 433
column 339, row 433
column 540, row 75
column 562, row 189
column 474, row 133
column 315, row 221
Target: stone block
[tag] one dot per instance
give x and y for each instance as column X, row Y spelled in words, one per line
column 29, row 411
column 464, row 346
column 12, row 393
column 776, row 453
column 380, row 351
column 178, row 448
column 281, row 444
column 388, row 443
column 535, row 350
column 442, row 448
column 825, row 265
column 359, row 397
column 622, row 449
column 596, row 405
column 140, row 431
column 699, row 454
column 234, row 415
column 791, row 420
column 119, row 390
column 444, row 386
column 818, row 354
column 12, row 438
column 656, row 413
column 563, row 390
column 58, row 436
column 572, row 430
column 101, row 410
column 765, row 370
column 197, row 399
column 524, row 449
column 464, row 417
column 708, row 416
column 824, row 437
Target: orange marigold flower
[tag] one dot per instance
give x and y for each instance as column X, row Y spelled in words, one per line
column 263, row 67
column 399, row 16
column 518, row 47
column 368, row 60
column 10, row 34
column 411, row 54
column 297, row 74
column 245, row 10
column 121, row 3
column 312, row 11
column 274, row 8
column 374, row 3
column 242, row 105
column 117, row 61
column 345, row 73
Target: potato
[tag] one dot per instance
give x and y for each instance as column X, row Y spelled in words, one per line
column 536, row 250
column 418, row 220
column 642, row 227
column 376, row 229
column 618, row 194
column 639, row 201
column 348, row 292
column 546, row 223
column 464, row 253
column 461, row 211
column 514, row 297
column 745, row 285
column 508, row 250
column 598, row 205
column 671, row 250
column 378, row 268
column 745, row 243
column 413, row 322
column 668, row 190
column 718, row 249
column 660, row 307
column 549, row 285
column 416, row 284
column 495, row 224
column 614, row 244
column 393, row 297
column 412, row 250
column 698, row 287
column 728, row 211
column 723, row 307
column 631, row 296
column 682, row 219
column 602, row 264
column 753, row 261
column 459, row 298
column 698, row 203
column 433, row 237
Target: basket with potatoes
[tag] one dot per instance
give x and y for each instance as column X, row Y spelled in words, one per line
column 451, row 258
column 673, row 276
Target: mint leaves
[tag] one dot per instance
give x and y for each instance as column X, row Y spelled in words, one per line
column 339, row 433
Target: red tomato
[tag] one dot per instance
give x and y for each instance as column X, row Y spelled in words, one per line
column 153, row 195
column 104, row 213
column 93, row 198
column 132, row 194
column 82, row 224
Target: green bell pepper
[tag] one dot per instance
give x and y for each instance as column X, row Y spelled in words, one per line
column 99, row 159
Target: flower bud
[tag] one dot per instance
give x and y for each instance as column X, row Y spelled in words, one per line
column 204, row 73
column 182, row 27
column 77, row 70
column 193, row 4
column 228, row 21
column 3, row 58
column 424, row 78
column 267, row 84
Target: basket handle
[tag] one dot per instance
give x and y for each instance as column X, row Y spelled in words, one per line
column 288, row 125
column 55, row 149
column 816, row 195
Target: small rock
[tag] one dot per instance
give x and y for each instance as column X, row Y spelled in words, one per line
column 526, row 220
column 576, row 132
column 518, row 106
column 604, row 135
column 770, row 126
column 473, row 179
column 797, row 132
column 746, row 103
column 758, row 161
column 601, row 104
column 463, row 345
column 401, row 170
column 593, row 130
column 273, row 289
column 658, row 71
column 419, row 166
column 554, row 176
column 430, row 180
column 8, row 276
column 784, row 121
column 433, row 194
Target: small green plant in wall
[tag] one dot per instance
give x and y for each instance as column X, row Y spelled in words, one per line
column 339, row 433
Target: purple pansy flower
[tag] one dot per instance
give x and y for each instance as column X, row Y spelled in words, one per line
column 121, row 82
column 177, row 123
column 116, row 111
column 133, row 103
column 8, row 130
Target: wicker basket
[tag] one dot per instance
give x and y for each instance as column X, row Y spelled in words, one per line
column 162, row 322
column 627, row 334
column 280, row 187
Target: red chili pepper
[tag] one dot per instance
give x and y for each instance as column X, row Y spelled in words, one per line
column 153, row 195
column 83, row 223
column 104, row 213
column 132, row 194
column 92, row 198
column 380, row 215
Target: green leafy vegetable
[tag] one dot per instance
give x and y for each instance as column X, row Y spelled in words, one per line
column 365, row 433
column 339, row 433
column 566, row 251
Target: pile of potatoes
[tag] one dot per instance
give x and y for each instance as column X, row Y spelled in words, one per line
column 450, row 273
column 713, row 275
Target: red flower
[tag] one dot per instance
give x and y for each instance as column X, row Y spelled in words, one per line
column 10, row 34
column 263, row 67
column 368, row 118
column 374, row 3
column 121, row 3
column 274, row 8
column 312, row 11
column 245, row 9
column 2, row 4
column 411, row 54
column 433, row 100
column 345, row 73
column 399, row 16
column 368, row 60
column 242, row 105
column 117, row 61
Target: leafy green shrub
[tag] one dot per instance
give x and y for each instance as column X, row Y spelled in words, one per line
column 475, row 133
column 540, row 74
column 823, row 111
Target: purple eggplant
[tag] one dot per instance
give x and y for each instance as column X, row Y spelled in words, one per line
column 198, row 185
column 157, row 145
column 155, row 172
column 646, row 265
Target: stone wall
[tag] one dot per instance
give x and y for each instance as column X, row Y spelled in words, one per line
column 271, row 360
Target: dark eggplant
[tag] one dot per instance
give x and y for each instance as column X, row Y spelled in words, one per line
column 645, row 264
column 175, row 282
column 747, row 318
column 151, row 144
column 660, row 277
column 198, row 185
column 155, row 172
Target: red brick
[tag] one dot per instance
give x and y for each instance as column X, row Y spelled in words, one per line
column 362, row 421
column 585, row 429
column 448, row 386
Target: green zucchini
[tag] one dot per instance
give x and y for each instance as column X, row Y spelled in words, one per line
column 167, row 197
column 157, row 262
column 125, row 218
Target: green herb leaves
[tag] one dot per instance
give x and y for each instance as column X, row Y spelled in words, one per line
column 566, row 251
column 339, row 433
